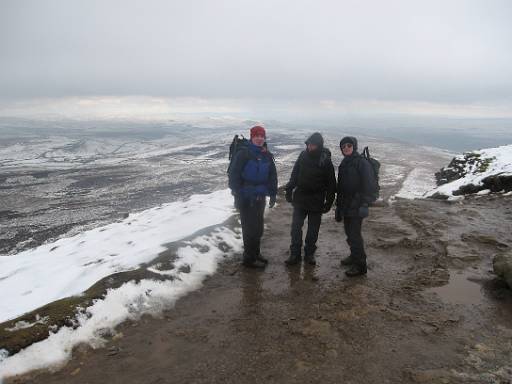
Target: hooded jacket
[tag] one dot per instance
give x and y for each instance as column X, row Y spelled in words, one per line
column 355, row 180
column 312, row 182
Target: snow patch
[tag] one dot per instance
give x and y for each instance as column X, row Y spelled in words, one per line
column 71, row 265
column 418, row 182
column 25, row 324
column 198, row 259
column 289, row 147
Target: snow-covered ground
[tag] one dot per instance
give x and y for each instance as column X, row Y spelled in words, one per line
column 497, row 161
column 200, row 257
column 71, row 265
column 418, row 182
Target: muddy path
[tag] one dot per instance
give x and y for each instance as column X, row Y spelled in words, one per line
column 429, row 310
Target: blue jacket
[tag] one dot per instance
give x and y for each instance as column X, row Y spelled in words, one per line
column 253, row 173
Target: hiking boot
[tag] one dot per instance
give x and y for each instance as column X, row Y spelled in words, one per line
column 292, row 260
column 310, row 259
column 356, row 270
column 262, row 259
column 257, row 264
column 349, row 260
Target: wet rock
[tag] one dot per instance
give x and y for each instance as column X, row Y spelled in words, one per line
column 497, row 183
column 468, row 189
column 502, row 264
column 439, row 196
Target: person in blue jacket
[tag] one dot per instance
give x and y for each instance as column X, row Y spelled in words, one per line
column 253, row 177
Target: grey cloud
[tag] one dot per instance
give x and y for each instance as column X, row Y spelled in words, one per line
column 440, row 51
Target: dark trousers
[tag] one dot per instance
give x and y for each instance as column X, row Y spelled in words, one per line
column 355, row 239
column 314, row 221
column 251, row 216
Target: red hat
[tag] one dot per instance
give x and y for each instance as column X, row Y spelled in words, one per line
column 258, row 131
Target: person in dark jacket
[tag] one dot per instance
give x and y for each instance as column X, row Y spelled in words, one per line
column 354, row 194
column 252, row 177
column 311, row 190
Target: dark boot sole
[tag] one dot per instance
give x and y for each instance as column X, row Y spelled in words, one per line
column 254, row 265
column 355, row 273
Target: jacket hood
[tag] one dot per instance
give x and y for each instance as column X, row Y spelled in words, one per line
column 316, row 139
column 349, row 139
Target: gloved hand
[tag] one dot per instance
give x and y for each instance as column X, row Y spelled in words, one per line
column 272, row 202
column 289, row 196
column 236, row 201
column 338, row 214
column 326, row 208
column 363, row 211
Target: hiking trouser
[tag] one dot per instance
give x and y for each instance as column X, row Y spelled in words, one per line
column 251, row 216
column 355, row 239
column 314, row 221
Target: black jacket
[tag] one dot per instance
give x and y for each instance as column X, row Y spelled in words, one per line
column 312, row 181
column 355, row 180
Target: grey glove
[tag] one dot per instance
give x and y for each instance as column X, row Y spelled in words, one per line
column 363, row 211
column 272, row 202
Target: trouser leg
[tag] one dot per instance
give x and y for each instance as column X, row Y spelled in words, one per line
column 353, row 226
column 251, row 217
column 296, row 231
column 314, row 221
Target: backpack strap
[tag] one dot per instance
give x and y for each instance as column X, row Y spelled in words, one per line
column 366, row 153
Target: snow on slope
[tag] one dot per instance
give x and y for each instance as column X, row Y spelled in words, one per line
column 70, row 265
column 129, row 301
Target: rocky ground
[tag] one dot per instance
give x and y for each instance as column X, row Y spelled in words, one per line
column 429, row 311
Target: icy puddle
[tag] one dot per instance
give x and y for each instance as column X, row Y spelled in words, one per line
column 459, row 290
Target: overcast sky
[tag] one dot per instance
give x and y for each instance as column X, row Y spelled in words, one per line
column 400, row 53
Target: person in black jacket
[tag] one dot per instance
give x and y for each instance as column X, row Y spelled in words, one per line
column 311, row 190
column 252, row 177
column 354, row 188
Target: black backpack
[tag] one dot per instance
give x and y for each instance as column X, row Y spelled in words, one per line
column 237, row 144
column 376, row 168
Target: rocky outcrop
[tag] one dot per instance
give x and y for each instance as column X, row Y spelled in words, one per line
column 502, row 264
column 483, row 171
column 460, row 166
